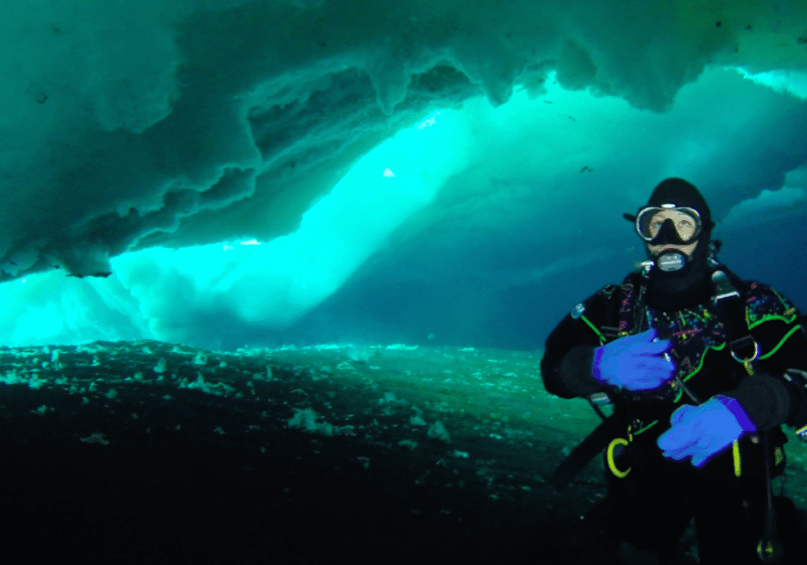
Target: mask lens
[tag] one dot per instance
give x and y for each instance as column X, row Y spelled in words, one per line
column 685, row 221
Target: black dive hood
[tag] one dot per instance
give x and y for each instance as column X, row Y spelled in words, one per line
column 677, row 279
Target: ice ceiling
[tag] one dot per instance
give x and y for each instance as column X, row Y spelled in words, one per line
column 478, row 146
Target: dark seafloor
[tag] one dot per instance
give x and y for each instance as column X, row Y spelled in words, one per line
column 148, row 452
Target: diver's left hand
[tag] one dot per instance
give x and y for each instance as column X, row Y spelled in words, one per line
column 701, row 432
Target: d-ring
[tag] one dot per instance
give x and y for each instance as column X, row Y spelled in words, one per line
column 756, row 354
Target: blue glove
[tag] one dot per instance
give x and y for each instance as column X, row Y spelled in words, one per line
column 701, row 432
column 635, row 362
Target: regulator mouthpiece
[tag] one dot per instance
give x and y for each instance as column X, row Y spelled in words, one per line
column 671, row 261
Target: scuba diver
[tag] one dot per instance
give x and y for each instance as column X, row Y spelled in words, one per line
column 700, row 369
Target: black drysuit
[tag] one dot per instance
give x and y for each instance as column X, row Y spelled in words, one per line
column 655, row 501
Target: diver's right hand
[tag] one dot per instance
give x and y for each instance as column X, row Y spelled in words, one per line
column 635, row 362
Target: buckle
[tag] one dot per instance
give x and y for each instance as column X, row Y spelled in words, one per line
column 723, row 287
column 600, row 399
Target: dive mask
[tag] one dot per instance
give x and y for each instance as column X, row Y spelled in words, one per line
column 668, row 224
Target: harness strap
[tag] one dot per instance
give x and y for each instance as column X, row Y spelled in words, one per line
column 744, row 349
column 730, row 308
column 731, row 311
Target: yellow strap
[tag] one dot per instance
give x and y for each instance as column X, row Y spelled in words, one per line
column 735, row 450
column 611, row 463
